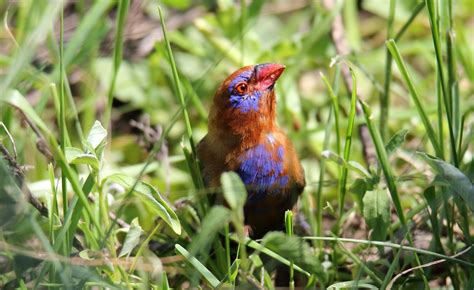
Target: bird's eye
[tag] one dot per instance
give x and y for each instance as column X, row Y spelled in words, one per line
column 241, row 88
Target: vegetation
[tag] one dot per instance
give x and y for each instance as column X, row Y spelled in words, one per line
column 382, row 118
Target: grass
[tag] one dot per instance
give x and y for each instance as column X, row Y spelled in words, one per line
column 107, row 211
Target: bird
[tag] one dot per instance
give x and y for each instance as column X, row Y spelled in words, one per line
column 244, row 137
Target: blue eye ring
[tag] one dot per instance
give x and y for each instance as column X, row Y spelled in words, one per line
column 241, row 88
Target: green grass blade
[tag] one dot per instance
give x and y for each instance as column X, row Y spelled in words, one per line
column 44, row 241
column 70, row 225
column 392, row 46
column 335, row 106
column 319, row 191
column 289, row 232
column 62, row 119
column 439, row 61
column 434, row 17
column 196, row 101
column 227, row 251
column 385, row 97
column 391, row 270
column 177, row 85
column 327, row 137
column 389, row 177
column 440, row 117
column 453, row 88
column 383, row 159
column 190, row 160
column 347, row 150
column 65, row 89
column 410, row 20
column 143, row 247
column 256, row 246
column 206, row 274
column 54, row 211
column 118, row 48
column 360, row 263
column 463, row 146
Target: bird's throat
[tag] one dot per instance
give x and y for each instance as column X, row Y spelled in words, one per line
column 243, row 128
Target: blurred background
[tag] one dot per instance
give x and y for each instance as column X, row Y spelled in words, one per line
column 127, row 62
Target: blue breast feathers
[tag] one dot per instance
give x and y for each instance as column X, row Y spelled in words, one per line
column 245, row 103
column 261, row 169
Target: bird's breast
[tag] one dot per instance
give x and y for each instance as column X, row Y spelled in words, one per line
column 262, row 169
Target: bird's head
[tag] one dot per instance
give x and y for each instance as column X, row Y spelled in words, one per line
column 245, row 101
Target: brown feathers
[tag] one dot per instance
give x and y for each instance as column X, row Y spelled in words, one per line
column 244, row 137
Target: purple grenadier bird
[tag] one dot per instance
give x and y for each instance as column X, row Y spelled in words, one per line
column 244, row 137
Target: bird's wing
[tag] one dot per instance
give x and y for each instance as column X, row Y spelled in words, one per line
column 211, row 162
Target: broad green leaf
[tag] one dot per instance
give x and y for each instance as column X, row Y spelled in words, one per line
column 396, row 141
column 96, row 135
column 357, row 167
column 234, row 190
column 206, row 274
column 359, row 187
column 76, row 156
column 450, row 176
column 132, row 239
column 150, row 196
column 216, row 218
column 377, row 212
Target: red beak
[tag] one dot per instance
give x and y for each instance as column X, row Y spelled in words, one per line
column 267, row 74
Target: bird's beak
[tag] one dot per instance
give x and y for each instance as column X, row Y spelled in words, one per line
column 267, row 74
